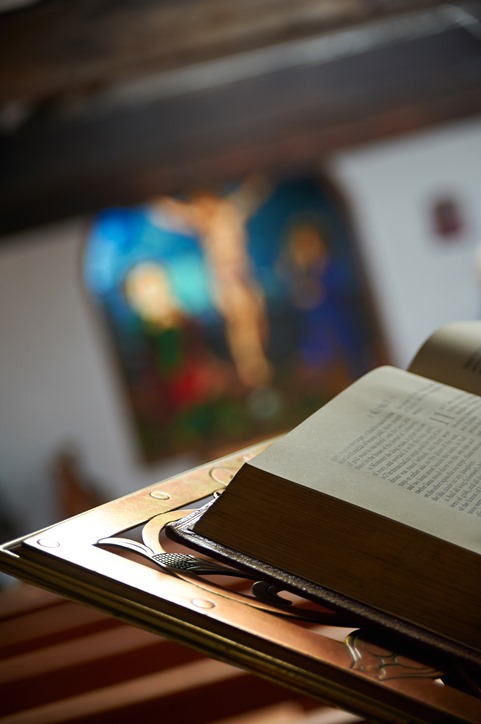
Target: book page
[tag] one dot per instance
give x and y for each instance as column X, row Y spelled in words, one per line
column 397, row 444
column 452, row 355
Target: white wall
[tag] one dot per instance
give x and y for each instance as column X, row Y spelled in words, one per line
column 418, row 281
column 56, row 382
column 56, row 386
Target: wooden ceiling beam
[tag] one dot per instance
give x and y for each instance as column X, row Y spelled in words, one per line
column 57, row 48
column 273, row 109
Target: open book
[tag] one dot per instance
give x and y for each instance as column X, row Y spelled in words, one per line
column 377, row 496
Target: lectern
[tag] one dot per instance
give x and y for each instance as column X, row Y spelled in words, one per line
column 118, row 559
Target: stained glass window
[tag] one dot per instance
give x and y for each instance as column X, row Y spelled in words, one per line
column 234, row 312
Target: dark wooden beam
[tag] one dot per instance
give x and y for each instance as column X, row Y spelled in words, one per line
column 57, row 48
column 273, row 109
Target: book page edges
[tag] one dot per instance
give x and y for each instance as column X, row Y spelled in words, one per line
column 305, row 456
column 448, row 355
column 351, row 551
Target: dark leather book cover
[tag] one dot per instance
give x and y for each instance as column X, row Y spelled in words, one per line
column 383, row 626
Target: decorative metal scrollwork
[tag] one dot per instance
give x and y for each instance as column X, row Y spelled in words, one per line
column 264, row 594
column 384, row 664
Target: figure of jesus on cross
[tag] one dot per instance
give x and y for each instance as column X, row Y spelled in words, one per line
column 220, row 223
